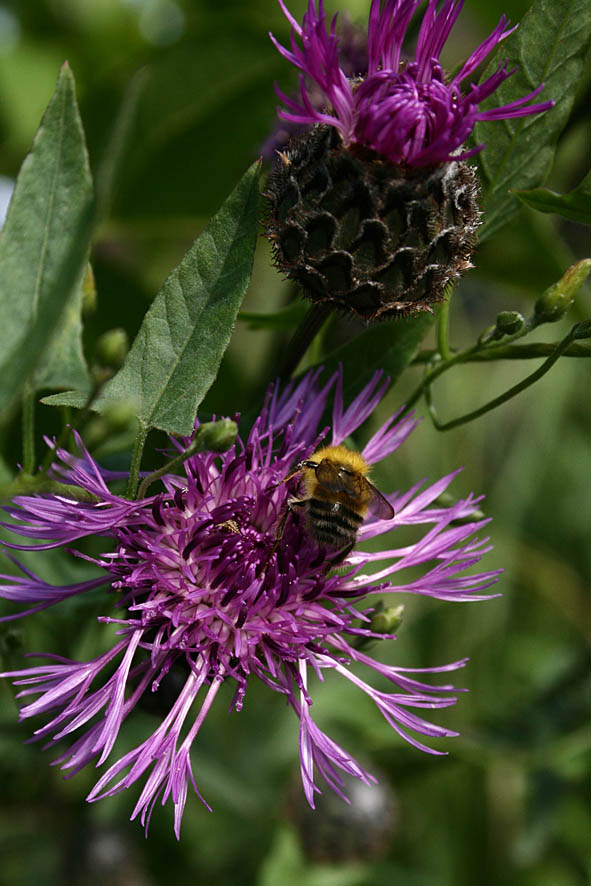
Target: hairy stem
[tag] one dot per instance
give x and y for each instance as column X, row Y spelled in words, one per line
column 136, row 460
column 443, row 326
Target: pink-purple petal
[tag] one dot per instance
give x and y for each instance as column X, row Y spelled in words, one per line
column 407, row 112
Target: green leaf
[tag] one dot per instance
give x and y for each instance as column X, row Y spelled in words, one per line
column 549, row 46
column 576, row 205
column 62, row 364
column 389, row 346
column 43, row 251
column 178, row 349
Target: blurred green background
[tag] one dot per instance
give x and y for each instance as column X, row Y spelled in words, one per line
column 510, row 804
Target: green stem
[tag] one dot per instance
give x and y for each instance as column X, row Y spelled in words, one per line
column 136, row 460
column 216, row 436
column 532, row 351
column 507, row 395
column 169, row 467
column 443, row 326
column 441, row 366
column 482, row 350
column 28, row 431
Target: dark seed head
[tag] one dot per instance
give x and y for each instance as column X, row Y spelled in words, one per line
column 366, row 236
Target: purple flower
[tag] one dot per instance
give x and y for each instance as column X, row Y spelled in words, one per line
column 204, row 588
column 409, row 111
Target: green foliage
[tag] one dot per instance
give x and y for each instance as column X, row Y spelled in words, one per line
column 177, row 352
column 576, row 205
column 549, row 46
column 43, row 251
column 177, row 108
column 63, row 364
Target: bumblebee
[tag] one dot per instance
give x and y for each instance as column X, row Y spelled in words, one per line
column 337, row 497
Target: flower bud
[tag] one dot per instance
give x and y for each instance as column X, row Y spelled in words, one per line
column 386, row 620
column 558, row 298
column 335, row 831
column 508, row 323
column 112, row 347
column 216, row 436
column 373, row 211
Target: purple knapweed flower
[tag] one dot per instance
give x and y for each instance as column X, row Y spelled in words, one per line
column 408, row 111
column 206, row 591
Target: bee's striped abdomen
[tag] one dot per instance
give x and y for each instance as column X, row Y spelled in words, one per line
column 332, row 523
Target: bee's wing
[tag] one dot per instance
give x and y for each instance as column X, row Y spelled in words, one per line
column 378, row 505
column 330, row 478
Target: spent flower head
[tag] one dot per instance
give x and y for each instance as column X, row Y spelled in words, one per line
column 204, row 588
column 373, row 210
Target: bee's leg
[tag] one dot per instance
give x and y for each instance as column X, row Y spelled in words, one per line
column 291, row 503
column 341, row 555
column 307, row 463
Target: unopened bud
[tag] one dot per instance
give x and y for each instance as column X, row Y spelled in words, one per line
column 558, row 298
column 216, row 436
column 386, row 620
column 509, row 322
column 112, row 348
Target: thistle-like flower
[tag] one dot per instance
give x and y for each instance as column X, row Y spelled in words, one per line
column 374, row 211
column 205, row 587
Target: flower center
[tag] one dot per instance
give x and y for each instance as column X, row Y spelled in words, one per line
column 207, row 581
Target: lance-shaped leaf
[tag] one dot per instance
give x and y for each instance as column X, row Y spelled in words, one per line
column 62, row 364
column 576, row 205
column 549, row 46
column 178, row 349
column 43, row 250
